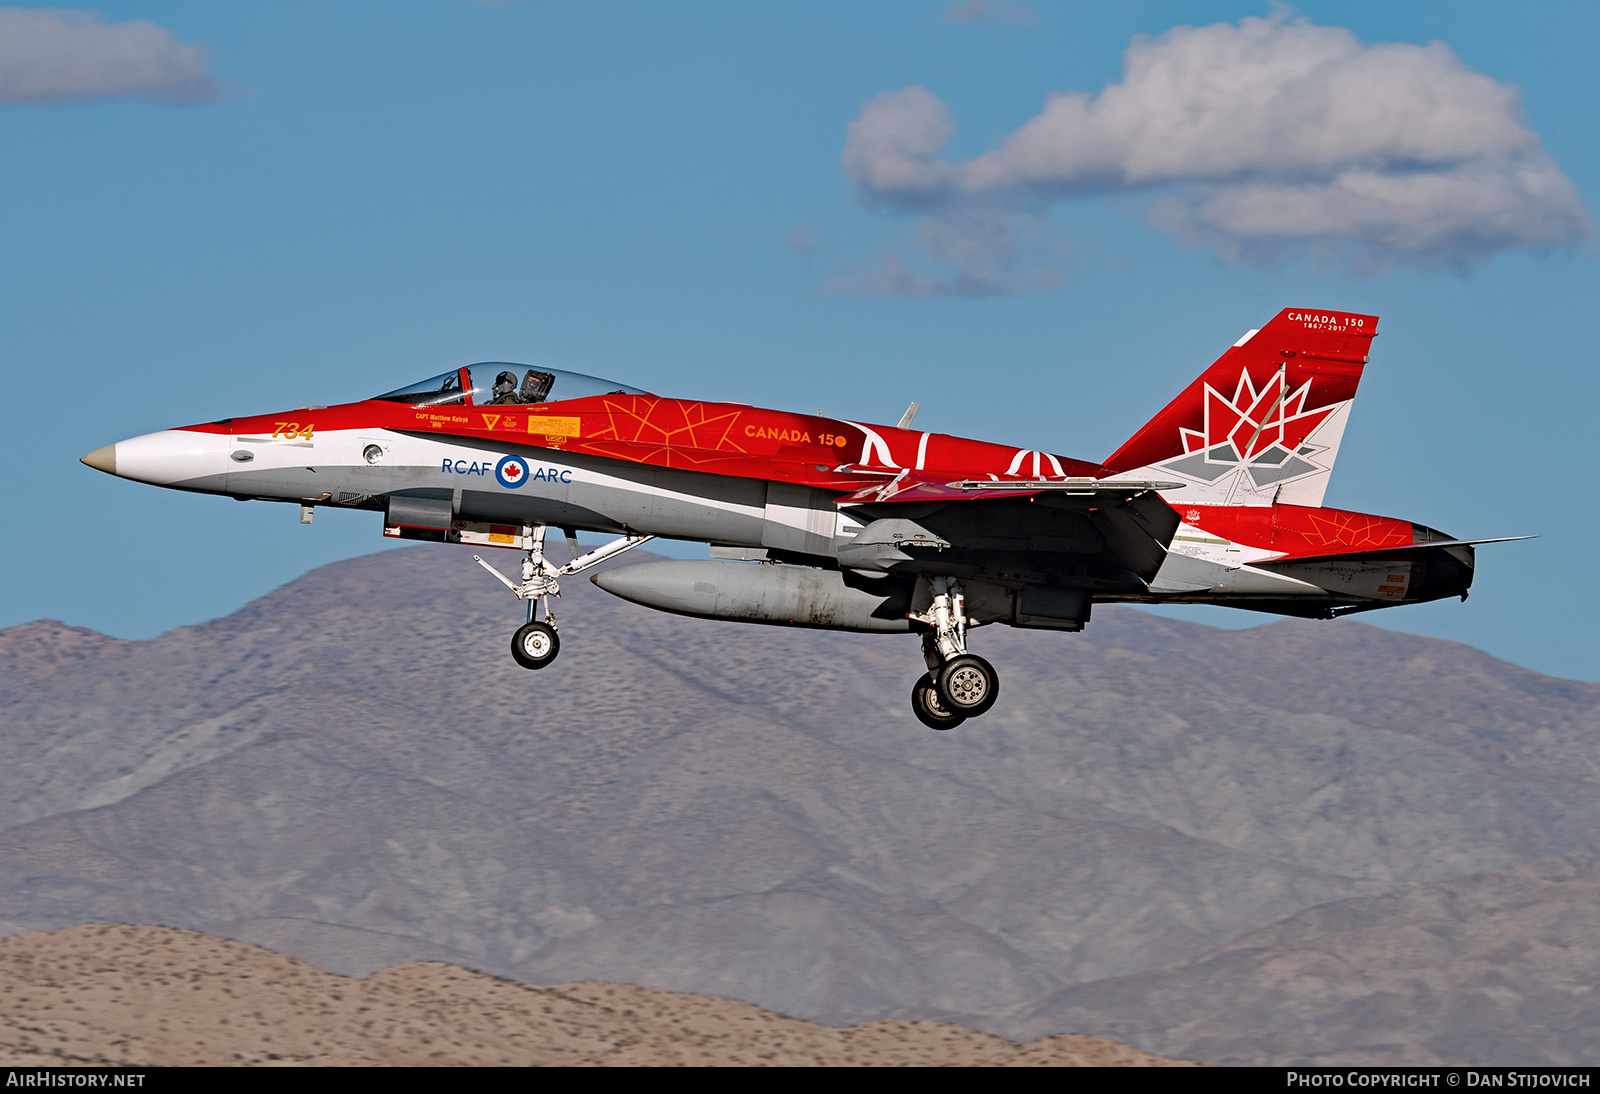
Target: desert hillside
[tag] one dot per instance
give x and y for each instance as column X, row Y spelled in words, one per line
column 1306, row 842
column 158, row 996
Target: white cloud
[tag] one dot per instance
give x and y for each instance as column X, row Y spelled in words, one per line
column 53, row 56
column 1263, row 139
column 888, row 149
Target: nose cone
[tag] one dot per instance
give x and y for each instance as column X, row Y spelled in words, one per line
column 102, row 459
column 172, row 457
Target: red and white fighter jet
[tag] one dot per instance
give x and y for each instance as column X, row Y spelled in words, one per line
column 822, row 522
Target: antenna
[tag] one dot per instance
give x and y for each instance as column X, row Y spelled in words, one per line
column 911, row 413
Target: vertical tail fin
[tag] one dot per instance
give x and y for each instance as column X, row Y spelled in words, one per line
column 1263, row 423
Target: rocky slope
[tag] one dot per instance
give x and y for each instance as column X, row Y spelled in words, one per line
column 153, row 996
column 351, row 770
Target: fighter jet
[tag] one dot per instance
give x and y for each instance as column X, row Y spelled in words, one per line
column 822, row 522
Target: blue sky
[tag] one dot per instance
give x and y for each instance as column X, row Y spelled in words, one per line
column 284, row 203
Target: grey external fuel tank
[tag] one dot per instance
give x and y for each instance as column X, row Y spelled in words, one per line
column 753, row 593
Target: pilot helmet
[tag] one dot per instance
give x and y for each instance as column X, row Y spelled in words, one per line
column 505, row 383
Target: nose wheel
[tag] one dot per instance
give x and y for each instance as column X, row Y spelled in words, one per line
column 958, row 685
column 535, row 645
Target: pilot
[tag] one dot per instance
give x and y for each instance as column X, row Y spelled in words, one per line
column 505, row 389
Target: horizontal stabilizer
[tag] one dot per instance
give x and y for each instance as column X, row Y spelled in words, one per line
column 1389, row 552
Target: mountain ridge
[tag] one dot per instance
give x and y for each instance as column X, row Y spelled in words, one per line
column 352, row 770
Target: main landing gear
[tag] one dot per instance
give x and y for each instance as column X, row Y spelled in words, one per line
column 536, row 643
column 958, row 685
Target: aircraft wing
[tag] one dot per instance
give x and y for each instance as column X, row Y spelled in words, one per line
column 914, row 487
column 1107, row 535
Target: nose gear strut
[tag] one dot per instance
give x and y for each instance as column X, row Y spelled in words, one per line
column 958, row 685
column 535, row 644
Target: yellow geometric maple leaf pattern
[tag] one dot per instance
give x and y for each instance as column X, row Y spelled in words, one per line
column 671, row 431
column 1333, row 527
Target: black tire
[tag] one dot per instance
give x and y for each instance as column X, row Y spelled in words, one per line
column 968, row 685
column 929, row 710
column 535, row 645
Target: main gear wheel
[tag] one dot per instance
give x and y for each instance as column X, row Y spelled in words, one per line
column 929, row 709
column 967, row 685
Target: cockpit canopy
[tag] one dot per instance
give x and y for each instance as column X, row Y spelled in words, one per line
column 501, row 383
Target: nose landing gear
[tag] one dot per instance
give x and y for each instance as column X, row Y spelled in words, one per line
column 958, row 685
column 536, row 643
